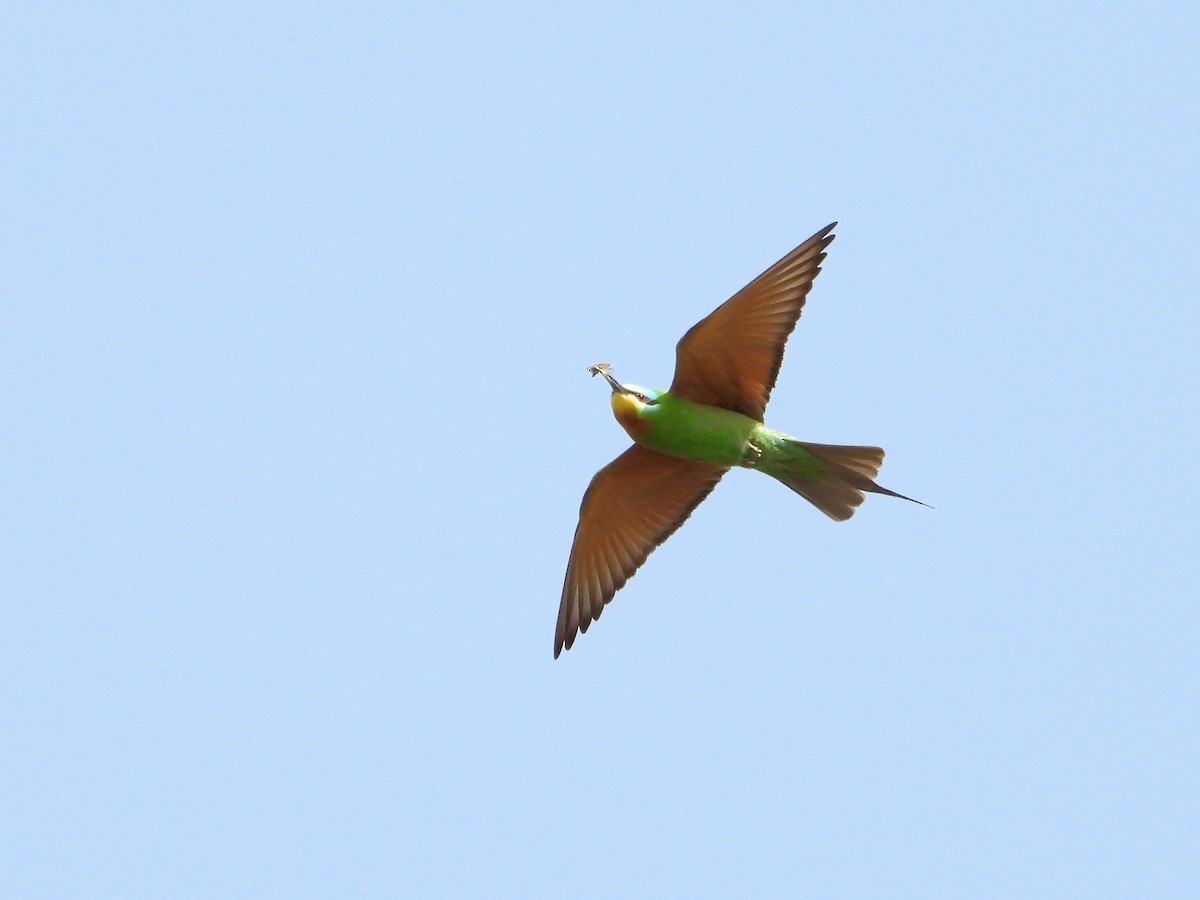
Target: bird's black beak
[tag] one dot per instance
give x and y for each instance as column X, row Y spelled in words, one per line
column 603, row 369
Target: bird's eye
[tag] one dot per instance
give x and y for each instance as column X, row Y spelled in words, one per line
column 641, row 397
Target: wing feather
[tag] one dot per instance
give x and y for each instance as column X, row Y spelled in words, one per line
column 731, row 358
column 632, row 505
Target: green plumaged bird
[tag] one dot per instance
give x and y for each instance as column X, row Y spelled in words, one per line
column 687, row 437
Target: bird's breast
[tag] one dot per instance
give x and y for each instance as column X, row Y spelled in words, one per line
column 688, row 430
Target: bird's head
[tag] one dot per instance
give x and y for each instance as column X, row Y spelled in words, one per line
column 629, row 401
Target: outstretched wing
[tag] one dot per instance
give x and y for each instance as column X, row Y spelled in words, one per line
column 731, row 358
column 632, row 505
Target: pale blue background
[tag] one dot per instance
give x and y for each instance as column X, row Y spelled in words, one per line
column 297, row 305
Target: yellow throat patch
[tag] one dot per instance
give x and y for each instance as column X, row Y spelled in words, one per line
column 625, row 407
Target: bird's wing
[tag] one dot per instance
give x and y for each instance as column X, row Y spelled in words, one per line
column 632, row 505
column 731, row 357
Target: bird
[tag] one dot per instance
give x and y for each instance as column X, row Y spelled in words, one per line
column 687, row 437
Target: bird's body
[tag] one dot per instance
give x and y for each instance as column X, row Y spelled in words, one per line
column 684, row 429
column 687, row 437
column 710, row 434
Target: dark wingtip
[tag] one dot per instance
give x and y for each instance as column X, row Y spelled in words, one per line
column 563, row 641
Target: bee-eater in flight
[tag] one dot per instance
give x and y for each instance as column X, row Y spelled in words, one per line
column 687, row 437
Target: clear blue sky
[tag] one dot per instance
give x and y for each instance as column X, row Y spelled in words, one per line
column 297, row 302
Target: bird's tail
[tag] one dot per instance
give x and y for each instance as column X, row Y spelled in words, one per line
column 831, row 477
